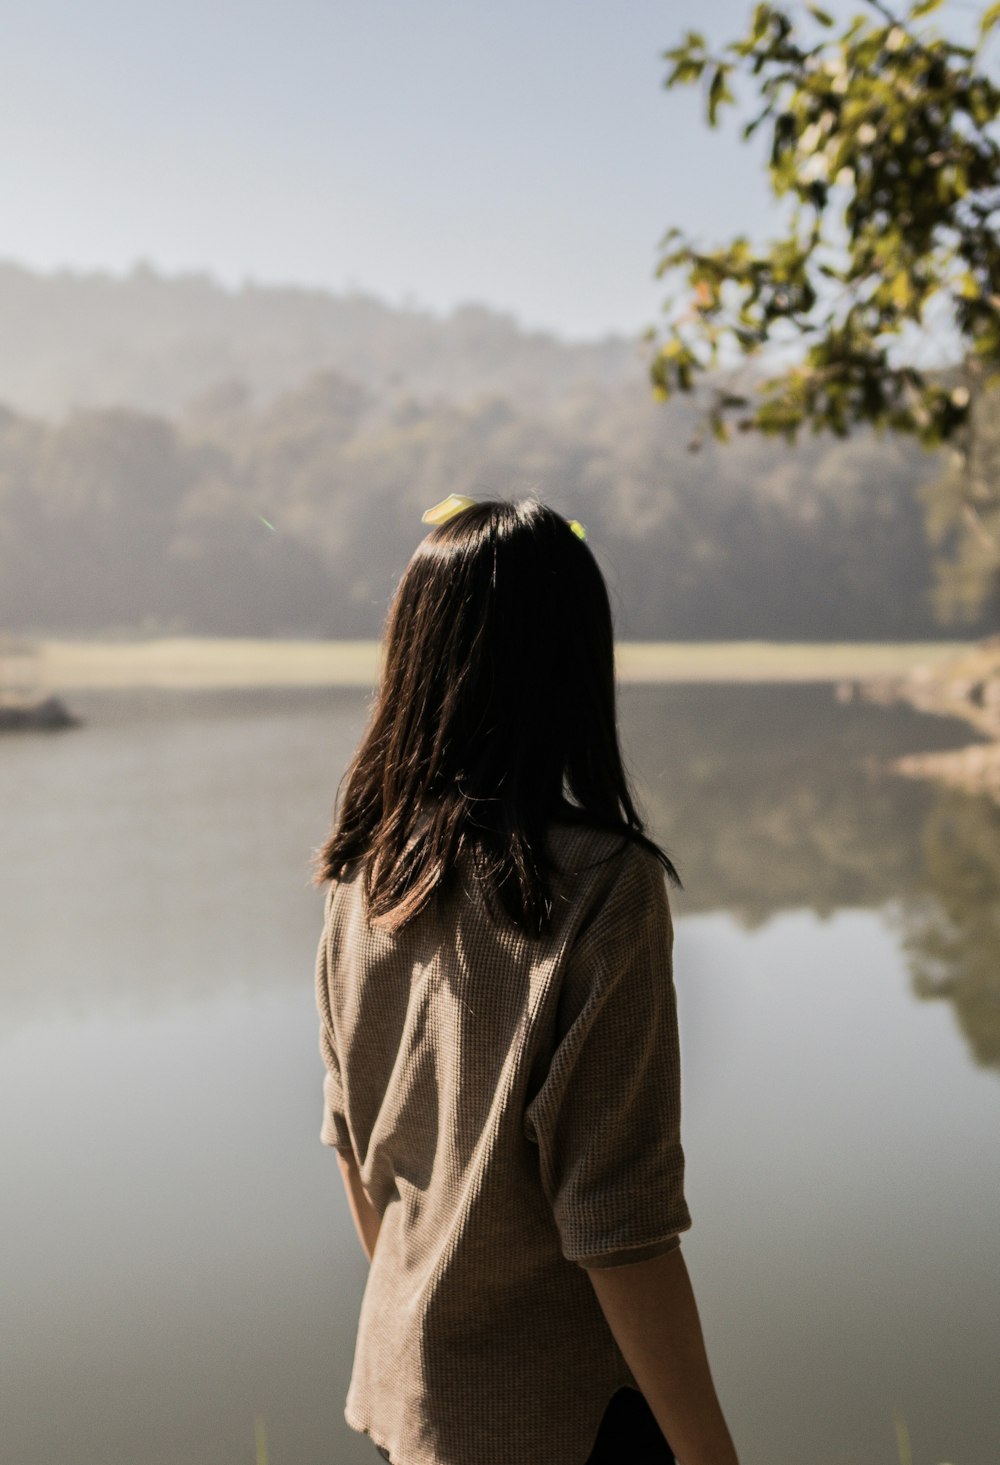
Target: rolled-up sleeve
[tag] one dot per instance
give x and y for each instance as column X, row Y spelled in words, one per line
column 334, row 1130
column 606, row 1119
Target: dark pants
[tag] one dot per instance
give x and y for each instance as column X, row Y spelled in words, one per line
column 628, row 1435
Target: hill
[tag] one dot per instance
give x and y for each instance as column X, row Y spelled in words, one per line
column 157, row 342
column 180, row 459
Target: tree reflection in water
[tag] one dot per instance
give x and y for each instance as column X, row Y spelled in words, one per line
column 770, row 797
column 951, row 926
column 775, row 798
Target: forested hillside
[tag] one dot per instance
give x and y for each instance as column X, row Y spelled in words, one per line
column 257, row 509
column 157, row 342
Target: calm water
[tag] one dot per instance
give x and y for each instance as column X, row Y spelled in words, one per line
column 176, row 1255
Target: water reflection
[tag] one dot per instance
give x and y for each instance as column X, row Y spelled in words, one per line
column 160, row 1066
column 161, row 853
column 951, row 926
column 777, row 798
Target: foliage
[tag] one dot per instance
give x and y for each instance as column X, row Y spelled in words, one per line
column 751, row 541
column 293, row 517
column 879, row 138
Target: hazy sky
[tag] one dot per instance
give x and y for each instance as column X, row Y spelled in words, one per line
column 521, row 153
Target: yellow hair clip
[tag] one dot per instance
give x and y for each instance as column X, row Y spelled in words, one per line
column 456, row 502
column 446, row 509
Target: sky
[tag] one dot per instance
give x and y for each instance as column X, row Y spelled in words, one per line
column 521, row 154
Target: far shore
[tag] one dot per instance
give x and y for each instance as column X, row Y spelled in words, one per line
column 187, row 663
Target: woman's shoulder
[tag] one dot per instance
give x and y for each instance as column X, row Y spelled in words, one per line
column 600, row 870
column 344, row 900
column 582, row 848
column 615, row 916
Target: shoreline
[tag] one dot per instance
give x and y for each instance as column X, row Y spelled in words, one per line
column 966, row 686
column 188, row 663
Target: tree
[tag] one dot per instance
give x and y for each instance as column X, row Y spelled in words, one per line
column 881, row 138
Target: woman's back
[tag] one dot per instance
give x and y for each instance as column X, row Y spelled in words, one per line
column 514, row 1106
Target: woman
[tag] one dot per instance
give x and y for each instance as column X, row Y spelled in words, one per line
column 499, row 1032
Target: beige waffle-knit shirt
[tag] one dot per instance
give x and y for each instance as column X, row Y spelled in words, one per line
column 514, row 1107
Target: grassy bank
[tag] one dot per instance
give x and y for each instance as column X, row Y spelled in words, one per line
column 210, row 662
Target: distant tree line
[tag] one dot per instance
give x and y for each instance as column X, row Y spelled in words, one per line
column 294, row 515
column 156, row 427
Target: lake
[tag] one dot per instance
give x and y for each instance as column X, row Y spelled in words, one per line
column 178, row 1260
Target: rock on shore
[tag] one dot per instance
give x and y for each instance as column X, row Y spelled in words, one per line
column 45, row 716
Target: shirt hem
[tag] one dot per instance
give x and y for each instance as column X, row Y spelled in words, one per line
column 365, row 1430
column 624, row 1255
column 336, row 1140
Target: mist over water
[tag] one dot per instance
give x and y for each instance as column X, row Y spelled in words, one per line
column 178, row 1257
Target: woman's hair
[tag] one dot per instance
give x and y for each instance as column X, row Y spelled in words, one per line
column 495, row 718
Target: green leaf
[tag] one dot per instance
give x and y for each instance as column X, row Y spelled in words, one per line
column 925, row 7
column 826, row 19
column 761, row 20
column 685, row 70
column 718, row 94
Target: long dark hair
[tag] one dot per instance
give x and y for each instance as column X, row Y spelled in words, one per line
column 495, row 718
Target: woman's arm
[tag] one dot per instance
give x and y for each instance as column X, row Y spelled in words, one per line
column 366, row 1217
column 651, row 1311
